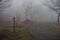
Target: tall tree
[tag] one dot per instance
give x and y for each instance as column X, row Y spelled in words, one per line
column 28, row 6
column 3, row 5
column 54, row 5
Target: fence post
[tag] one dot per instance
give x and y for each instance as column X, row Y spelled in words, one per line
column 14, row 24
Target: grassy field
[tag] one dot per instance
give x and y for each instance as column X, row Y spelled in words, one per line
column 21, row 32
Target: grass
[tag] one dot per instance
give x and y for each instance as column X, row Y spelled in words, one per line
column 21, row 33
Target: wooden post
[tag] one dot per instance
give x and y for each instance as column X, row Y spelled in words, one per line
column 58, row 18
column 14, row 24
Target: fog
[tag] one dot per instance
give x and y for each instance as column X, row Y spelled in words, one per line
column 39, row 12
column 29, row 19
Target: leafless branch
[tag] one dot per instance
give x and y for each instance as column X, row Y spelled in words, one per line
column 49, row 6
column 5, row 4
column 27, row 5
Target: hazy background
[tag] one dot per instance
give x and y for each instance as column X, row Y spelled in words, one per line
column 39, row 12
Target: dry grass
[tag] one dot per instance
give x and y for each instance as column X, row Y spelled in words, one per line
column 21, row 33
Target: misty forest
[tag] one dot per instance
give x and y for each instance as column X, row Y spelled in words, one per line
column 29, row 19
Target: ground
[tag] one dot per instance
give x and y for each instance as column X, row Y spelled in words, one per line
column 31, row 31
column 21, row 32
column 45, row 31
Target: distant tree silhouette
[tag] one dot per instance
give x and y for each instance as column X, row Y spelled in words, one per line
column 3, row 5
column 54, row 5
column 28, row 6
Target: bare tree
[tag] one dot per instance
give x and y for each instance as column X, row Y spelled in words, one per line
column 28, row 6
column 54, row 5
column 3, row 4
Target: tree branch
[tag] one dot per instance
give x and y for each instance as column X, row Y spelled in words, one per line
column 49, row 6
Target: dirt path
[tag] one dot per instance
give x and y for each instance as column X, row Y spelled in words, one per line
column 43, row 32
